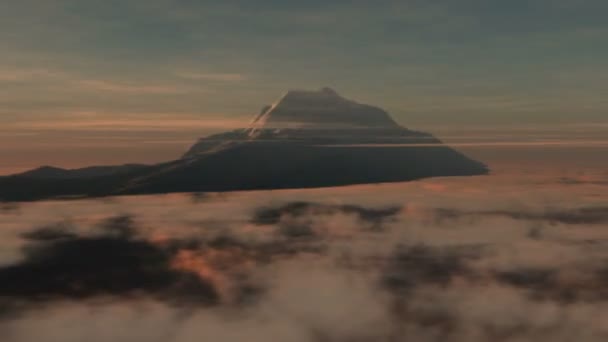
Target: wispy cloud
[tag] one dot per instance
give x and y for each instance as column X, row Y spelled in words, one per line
column 523, row 144
column 113, row 84
column 101, row 85
column 224, row 77
column 31, row 74
column 135, row 124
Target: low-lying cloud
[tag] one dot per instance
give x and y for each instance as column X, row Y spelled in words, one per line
column 436, row 260
column 582, row 215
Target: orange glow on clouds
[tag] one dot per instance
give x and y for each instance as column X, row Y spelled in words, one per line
column 435, row 187
column 215, row 266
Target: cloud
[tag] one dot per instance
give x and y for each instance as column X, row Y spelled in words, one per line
column 425, row 276
column 61, row 265
column 584, row 215
column 419, row 265
column 522, row 144
column 63, row 262
column 23, row 75
column 50, row 233
column 223, row 77
column 158, row 122
column 75, row 80
column 584, row 180
column 101, row 85
column 9, row 208
column 272, row 215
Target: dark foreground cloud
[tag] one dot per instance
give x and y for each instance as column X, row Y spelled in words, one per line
column 50, row 233
column 583, row 215
column 410, row 266
column 374, row 216
column 59, row 264
column 563, row 285
column 117, row 259
column 582, row 181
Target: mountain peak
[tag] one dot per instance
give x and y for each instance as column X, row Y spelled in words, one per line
column 323, row 108
column 329, row 91
column 325, row 93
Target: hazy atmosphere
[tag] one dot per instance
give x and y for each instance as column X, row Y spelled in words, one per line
column 323, row 171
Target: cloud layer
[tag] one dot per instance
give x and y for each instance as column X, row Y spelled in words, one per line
column 434, row 260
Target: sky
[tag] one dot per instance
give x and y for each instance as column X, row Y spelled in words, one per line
column 140, row 69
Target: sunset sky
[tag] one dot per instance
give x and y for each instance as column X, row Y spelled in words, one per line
column 484, row 217
column 85, row 81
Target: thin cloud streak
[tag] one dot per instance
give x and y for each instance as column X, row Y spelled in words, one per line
column 224, row 77
column 129, row 124
column 21, row 75
column 100, row 85
column 565, row 143
column 38, row 76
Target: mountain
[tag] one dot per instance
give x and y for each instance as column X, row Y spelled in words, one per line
column 315, row 118
column 306, row 139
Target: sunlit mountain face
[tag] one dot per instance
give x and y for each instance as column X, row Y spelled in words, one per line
column 313, row 171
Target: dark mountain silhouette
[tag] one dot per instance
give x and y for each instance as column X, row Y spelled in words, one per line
column 306, row 139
